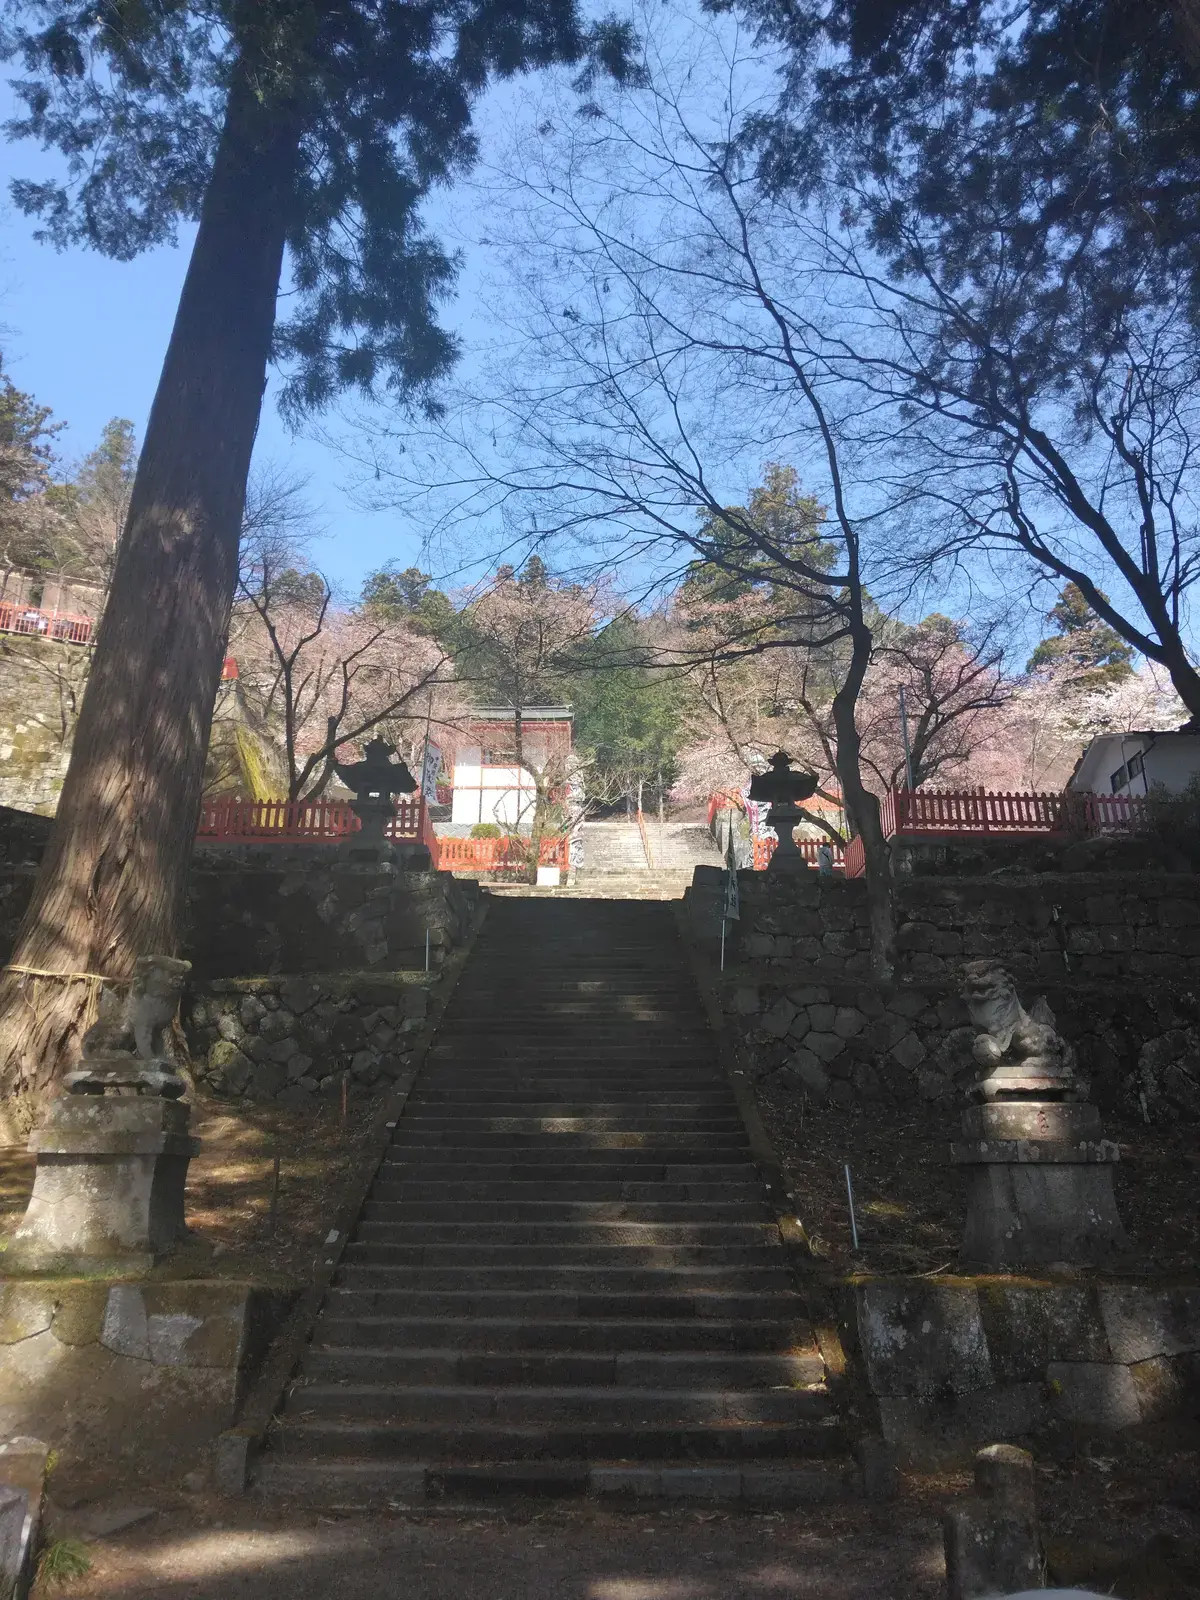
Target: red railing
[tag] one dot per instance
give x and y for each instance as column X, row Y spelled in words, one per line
column 928, row 811
column 497, row 855
column 764, row 849
column 931, row 814
column 856, row 861
column 45, row 624
column 724, row 802
column 300, row 821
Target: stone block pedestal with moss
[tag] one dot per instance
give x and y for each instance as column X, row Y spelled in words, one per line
column 108, row 1191
column 113, row 1150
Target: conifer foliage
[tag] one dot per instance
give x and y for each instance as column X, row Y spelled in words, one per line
column 299, row 130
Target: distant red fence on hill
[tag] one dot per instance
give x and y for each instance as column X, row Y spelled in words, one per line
column 37, row 624
column 764, row 849
column 498, row 855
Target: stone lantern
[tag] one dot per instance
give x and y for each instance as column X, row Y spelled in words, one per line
column 373, row 781
column 784, row 791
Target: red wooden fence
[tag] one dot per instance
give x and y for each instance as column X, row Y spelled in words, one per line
column 281, row 821
column 978, row 811
column 931, row 814
column 764, row 849
column 45, row 624
column 326, row 821
column 497, row 855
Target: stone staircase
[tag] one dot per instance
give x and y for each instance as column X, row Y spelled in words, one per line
column 567, row 1278
column 682, row 846
column 615, row 866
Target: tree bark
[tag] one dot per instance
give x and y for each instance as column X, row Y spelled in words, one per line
column 863, row 807
column 112, row 884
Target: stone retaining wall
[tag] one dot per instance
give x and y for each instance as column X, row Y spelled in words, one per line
column 141, row 1373
column 1116, row 955
column 288, row 1039
column 953, row 1365
column 1085, row 927
column 273, row 910
column 849, row 1043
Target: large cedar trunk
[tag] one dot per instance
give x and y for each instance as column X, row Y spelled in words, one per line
column 113, row 881
column 863, row 808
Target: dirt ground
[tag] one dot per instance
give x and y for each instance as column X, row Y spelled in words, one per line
column 230, row 1187
column 909, row 1200
column 1125, row 1524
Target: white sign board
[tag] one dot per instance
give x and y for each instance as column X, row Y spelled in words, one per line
column 430, row 768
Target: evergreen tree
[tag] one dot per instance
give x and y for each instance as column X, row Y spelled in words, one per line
column 27, row 525
column 409, row 597
column 95, row 503
column 628, row 724
column 1093, row 655
column 1074, row 122
column 779, row 527
column 311, row 128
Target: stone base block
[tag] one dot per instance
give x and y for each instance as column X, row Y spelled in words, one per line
column 109, row 1186
column 1032, row 1214
column 139, row 1376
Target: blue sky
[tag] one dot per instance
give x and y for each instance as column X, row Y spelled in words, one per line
column 86, row 336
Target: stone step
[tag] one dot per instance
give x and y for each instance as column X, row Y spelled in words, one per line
column 563, row 1191
column 457, row 1046
column 351, row 1326
column 571, row 1234
column 425, row 1165
column 463, row 1104
column 714, row 1441
column 664, row 1144
column 364, row 1484
column 567, row 1264
column 676, row 1282
column 363, row 1356
column 465, row 1127
column 553, row 1083
column 404, row 1215
column 603, row 1406
column 378, row 1252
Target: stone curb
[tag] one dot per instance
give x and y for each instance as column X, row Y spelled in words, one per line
column 236, row 1447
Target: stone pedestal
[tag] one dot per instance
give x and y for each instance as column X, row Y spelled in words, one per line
column 108, row 1192
column 1039, row 1186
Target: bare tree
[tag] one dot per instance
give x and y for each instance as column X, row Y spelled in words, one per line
column 658, row 349
column 1078, row 469
column 324, row 675
column 518, row 640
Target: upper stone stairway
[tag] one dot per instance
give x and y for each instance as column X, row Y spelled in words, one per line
column 616, row 865
column 567, row 1277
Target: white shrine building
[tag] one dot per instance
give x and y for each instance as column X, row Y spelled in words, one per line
column 489, row 785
